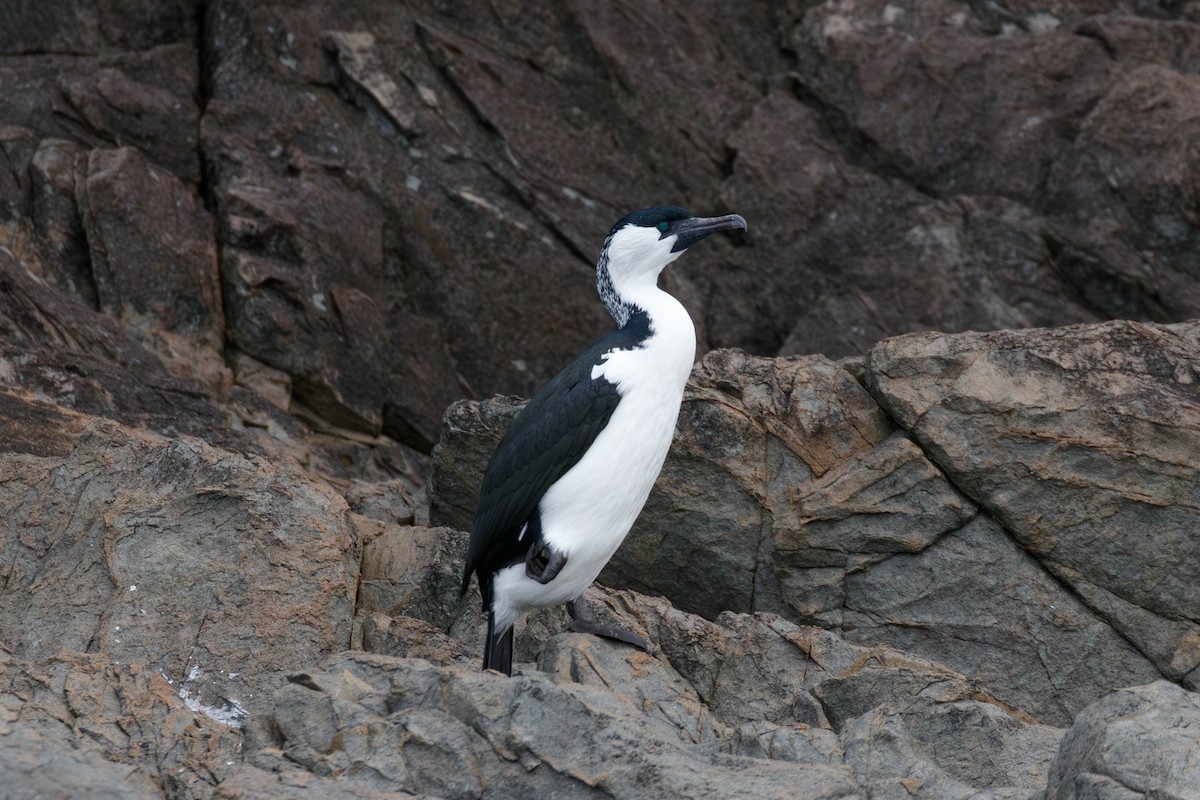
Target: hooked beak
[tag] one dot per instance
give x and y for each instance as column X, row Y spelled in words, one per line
column 691, row 230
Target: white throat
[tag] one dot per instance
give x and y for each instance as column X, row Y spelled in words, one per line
column 629, row 267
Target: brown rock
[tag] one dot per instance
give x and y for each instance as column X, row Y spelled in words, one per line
column 410, row 199
column 273, row 385
column 1128, row 183
column 415, row 572
column 80, row 359
column 147, row 99
column 55, row 170
column 879, row 256
column 215, row 569
column 55, row 346
column 154, row 262
column 303, row 293
column 914, row 95
column 100, row 713
column 404, row 184
column 74, row 28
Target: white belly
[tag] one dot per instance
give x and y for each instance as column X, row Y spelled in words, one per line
column 588, row 512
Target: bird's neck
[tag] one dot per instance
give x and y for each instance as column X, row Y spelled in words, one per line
column 633, row 295
column 626, row 289
column 618, row 306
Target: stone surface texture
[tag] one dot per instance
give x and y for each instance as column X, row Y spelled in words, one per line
column 1136, row 742
column 928, row 527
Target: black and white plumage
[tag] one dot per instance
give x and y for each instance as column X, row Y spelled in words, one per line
column 573, row 472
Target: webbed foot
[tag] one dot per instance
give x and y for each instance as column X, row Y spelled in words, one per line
column 583, row 621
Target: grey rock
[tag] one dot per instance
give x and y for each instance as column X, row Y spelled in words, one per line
column 1137, row 742
column 755, row 686
column 391, row 501
column 37, row 768
column 289, row 780
column 1081, row 443
column 386, row 723
column 890, row 762
column 977, row 602
column 786, row 690
column 470, row 433
column 751, row 693
column 652, row 688
column 408, row 637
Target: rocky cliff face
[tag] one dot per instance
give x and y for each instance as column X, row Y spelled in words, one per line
column 254, row 256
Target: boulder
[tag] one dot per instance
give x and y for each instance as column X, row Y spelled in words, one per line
column 1081, row 443
column 1135, row 742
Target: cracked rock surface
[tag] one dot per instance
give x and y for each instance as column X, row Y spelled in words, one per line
column 262, row 263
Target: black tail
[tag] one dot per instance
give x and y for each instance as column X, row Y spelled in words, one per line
column 497, row 651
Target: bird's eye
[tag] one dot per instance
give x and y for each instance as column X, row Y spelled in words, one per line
column 664, row 226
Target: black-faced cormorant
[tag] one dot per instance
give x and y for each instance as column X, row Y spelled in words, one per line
column 573, row 472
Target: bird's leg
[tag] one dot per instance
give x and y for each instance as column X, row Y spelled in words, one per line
column 584, row 621
column 544, row 563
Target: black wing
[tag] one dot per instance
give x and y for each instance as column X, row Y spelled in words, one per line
column 548, row 437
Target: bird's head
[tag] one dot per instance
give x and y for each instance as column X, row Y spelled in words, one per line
column 641, row 244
